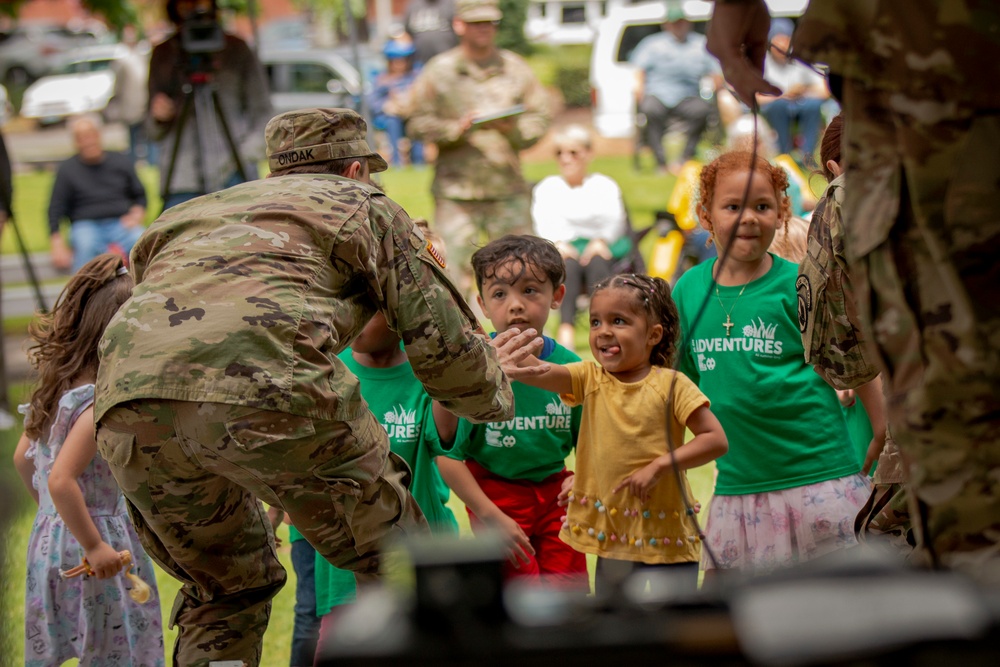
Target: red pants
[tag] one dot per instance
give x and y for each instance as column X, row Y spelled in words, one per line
column 533, row 506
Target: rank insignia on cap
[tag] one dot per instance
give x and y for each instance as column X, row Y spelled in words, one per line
column 436, row 255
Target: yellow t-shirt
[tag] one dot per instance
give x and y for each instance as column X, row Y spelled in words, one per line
column 623, row 429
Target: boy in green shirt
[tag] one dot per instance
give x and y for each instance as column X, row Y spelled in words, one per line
column 510, row 474
column 403, row 408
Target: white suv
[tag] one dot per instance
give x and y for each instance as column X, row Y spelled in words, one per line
column 612, row 78
column 83, row 82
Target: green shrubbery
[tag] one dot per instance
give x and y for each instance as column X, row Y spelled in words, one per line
column 566, row 68
column 511, row 34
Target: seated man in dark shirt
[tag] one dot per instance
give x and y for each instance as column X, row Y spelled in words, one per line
column 100, row 193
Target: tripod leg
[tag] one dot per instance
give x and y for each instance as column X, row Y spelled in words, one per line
column 28, row 268
column 229, row 136
column 172, row 164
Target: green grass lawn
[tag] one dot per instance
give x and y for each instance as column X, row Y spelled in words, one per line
column 644, row 193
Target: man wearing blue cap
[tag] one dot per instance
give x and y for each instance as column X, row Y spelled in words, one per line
column 804, row 94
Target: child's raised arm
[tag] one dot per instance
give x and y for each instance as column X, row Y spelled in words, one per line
column 551, row 377
column 25, row 467
column 873, row 400
column 709, row 443
column 515, row 349
column 445, row 423
column 77, row 452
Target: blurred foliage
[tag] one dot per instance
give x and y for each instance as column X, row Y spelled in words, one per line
column 565, row 67
column 119, row 13
column 573, row 81
column 511, row 33
column 335, row 11
column 572, row 74
column 116, row 13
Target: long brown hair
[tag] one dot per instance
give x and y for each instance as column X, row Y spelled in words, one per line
column 65, row 347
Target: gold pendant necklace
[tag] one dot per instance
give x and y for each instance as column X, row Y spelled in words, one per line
column 729, row 320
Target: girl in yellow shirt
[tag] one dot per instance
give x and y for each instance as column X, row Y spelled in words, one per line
column 626, row 502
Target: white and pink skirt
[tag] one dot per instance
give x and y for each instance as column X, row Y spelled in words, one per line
column 758, row 533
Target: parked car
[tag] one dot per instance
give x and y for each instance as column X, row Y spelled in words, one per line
column 612, row 78
column 85, row 83
column 301, row 79
column 34, row 48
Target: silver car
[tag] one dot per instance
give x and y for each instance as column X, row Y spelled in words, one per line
column 32, row 48
column 84, row 83
column 306, row 78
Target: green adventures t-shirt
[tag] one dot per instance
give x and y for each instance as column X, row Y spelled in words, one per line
column 535, row 443
column 399, row 402
column 783, row 421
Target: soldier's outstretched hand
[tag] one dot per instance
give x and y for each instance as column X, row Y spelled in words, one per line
column 516, row 352
column 737, row 36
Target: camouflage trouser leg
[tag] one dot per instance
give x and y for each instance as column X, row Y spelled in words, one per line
column 934, row 308
column 466, row 226
column 193, row 473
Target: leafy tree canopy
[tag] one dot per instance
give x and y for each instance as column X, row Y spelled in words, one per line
column 119, row 13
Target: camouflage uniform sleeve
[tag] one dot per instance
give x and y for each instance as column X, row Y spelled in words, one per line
column 832, row 336
column 147, row 247
column 534, row 122
column 139, row 257
column 429, row 121
column 450, row 354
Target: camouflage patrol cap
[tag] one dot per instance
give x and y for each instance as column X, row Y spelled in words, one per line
column 318, row 135
column 478, row 11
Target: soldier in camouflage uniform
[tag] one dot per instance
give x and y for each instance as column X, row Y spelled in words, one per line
column 921, row 97
column 479, row 191
column 219, row 381
column 834, row 342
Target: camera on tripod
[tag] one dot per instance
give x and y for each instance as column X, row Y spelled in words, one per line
column 200, row 39
column 201, row 34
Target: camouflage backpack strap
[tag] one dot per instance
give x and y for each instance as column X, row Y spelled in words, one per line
column 828, row 317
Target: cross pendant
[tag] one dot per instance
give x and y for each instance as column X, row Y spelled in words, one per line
column 729, row 326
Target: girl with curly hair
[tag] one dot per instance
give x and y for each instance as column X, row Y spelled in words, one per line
column 790, row 486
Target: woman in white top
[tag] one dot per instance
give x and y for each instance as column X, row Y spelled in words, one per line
column 584, row 216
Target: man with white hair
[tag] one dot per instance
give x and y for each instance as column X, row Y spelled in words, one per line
column 100, row 194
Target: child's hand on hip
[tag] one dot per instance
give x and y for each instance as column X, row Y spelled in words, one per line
column 104, row 561
column 642, row 481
